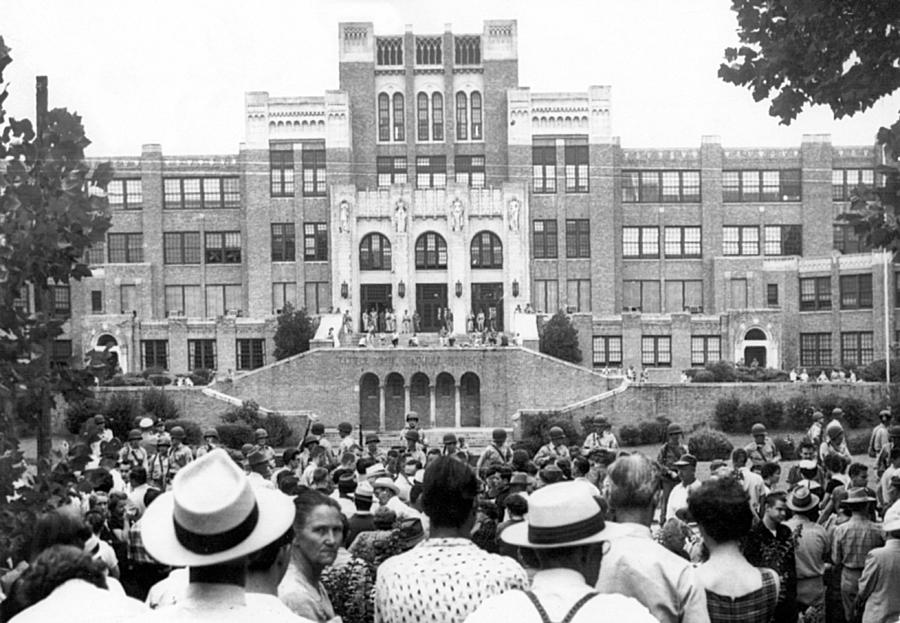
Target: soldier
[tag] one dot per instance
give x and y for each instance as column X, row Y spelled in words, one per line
column 211, row 441
column 555, row 449
column 669, row 454
column 179, row 454
column 762, row 449
column 262, row 444
column 601, row 437
column 498, row 453
column 412, row 423
column 132, row 454
column 158, row 470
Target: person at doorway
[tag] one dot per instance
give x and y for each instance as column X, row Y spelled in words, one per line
column 479, row 320
column 669, row 454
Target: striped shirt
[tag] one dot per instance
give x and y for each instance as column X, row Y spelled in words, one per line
column 854, row 539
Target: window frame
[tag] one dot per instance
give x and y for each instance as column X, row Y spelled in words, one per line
column 788, row 236
column 470, row 170
column 313, row 170
column 433, row 170
column 606, row 360
column 683, row 248
column 688, row 186
column 762, row 185
column 578, row 238
column 178, row 241
column 486, row 251
column 656, row 351
column 206, row 355
column 132, row 246
column 129, row 190
column 702, row 349
column 743, row 243
column 815, row 294
column 394, row 167
column 542, row 240
column 856, row 291
column 815, row 350
column 640, row 242
column 424, row 252
column 852, row 342
column 315, row 242
column 151, row 357
column 576, row 162
column 543, row 168
column 283, row 242
column 255, row 355
column 224, row 254
column 383, row 259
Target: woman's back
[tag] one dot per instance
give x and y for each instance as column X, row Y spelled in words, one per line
column 755, row 606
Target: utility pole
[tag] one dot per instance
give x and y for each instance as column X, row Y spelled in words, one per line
column 42, row 297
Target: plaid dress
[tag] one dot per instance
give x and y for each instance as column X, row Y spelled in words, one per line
column 755, row 607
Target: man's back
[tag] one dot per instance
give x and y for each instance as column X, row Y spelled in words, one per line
column 636, row 566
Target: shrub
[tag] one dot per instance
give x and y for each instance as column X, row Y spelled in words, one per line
column 653, row 431
column 772, row 412
column 159, row 380
column 78, row 413
column 723, row 371
column 560, row 339
column 275, row 424
column 787, row 447
column 748, row 413
column 875, row 371
column 703, row 376
column 121, row 411
column 234, row 435
column 202, row 376
column 726, row 414
column 536, row 427
column 858, row 413
column 709, row 444
column 826, row 405
column 858, row 441
column 148, row 372
column 160, row 405
column 193, row 434
column 629, row 436
column 796, row 414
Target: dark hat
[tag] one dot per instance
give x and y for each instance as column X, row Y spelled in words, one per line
column 557, row 433
column 894, row 431
column 817, row 415
column 210, row 432
column 686, row 459
column 372, row 438
column 134, row 435
column 412, row 435
column 518, row 478
column 600, row 420
column 499, row 435
column 758, row 429
column 802, row 499
column 674, row 429
column 256, row 457
column 310, row 439
column 895, row 480
column 410, row 532
column 412, row 415
column 246, row 449
column 450, row 438
column 177, row 432
column 99, row 419
column 859, row 495
column 552, row 473
column 260, row 433
column 345, row 427
column 317, row 428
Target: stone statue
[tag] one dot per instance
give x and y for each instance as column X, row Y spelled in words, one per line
column 456, row 215
column 514, row 206
column 400, row 216
column 345, row 216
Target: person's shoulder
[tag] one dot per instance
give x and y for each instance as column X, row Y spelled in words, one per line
column 626, row 609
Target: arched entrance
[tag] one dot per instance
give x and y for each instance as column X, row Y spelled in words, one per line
column 470, row 399
column 420, row 397
column 394, row 402
column 754, row 350
column 368, row 402
column 103, row 359
column 445, row 401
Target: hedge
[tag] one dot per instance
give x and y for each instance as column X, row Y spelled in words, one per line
column 733, row 416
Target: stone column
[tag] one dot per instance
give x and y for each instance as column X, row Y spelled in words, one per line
column 458, row 414
column 407, row 400
column 381, row 390
column 432, row 392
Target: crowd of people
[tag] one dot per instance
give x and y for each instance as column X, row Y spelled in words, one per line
column 355, row 532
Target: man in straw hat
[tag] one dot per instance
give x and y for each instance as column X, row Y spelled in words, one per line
column 210, row 522
column 878, row 596
column 851, row 543
column 812, row 549
column 567, row 534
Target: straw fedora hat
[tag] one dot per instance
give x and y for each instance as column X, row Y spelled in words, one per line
column 563, row 514
column 384, row 482
column 802, row 500
column 213, row 515
column 857, row 496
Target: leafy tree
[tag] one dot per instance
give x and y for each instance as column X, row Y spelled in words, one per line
column 52, row 209
column 295, row 330
column 560, row 339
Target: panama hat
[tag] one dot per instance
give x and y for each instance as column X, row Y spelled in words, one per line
column 374, row 470
column 213, row 515
column 383, row 482
column 564, row 514
column 146, row 423
column 363, row 492
column 891, row 518
column 802, row 499
column 857, row 496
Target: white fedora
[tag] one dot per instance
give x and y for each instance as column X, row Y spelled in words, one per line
column 564, row 514
column 383, row 482
column 213, row 515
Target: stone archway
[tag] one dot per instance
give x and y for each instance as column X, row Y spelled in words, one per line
column 470, row 400
column 445, row 401
column 420, row 397
column 756, row 344
column 369, row 407
column 106, row 354
column 394, row 402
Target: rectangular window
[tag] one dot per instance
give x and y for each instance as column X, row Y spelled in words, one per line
column 815, row 293
column 223, row 247
column 128, row 302
column 126, row 248
column 857, row 348
column 783, row 240
column 431, row 172
column 281, row 169
column 96, row 254
column 607, row 351
column 470, row 171
column 61, row 354
column 546, row 295
column 184, row 301
column 642, row 296
column 845, row 181
column 155, row 354
column 815, row 349
column 437, row 117
column 315, row 242
column 576, row 158
column 125, row 194
column 60, row 299
column 202, row 354
column 640, row 242
column 96, row 301
column 283, row 292
column 846, row 240
column 318, row 296
column 738, row 298
column 224, row 299
column 683, row 242
column 422, row 117
column 22, row 302
column 684, row 296
column 740, row 240
column 656, row 350
column 391, row 170
column 660, row 186
column 754, row 185
column 283, row 242
column 251, row 353
column 578, row 295
column 181, row 247
column 194, row 193
column 544, row 235
column 772, row 295
column 578, row 238
column 543, row 161
column 705, row 349
column 313, row 163
column 856, row 291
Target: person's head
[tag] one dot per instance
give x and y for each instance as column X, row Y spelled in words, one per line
column 412, row 419
column 449, row 489
column 885, row 416
column 775, row 508
column 372, row 442
column 895, row 456
column 806, row 450
column 557, row 436
column 318, row 529
column 137, row 476
column 516, row 505
column 258, row 463
column 62, row 526
column 834, row 432
column 834, row 463
column 634, row 483
column 317, row 428
column 738, row 458
column 344, row 429
column 411, row 466
column 384, row 489
column 134, row 438
column 758, row 431
column 210, row 436
column 674, row 434
column 894, row 434
column 498, row 436
column 290, row 458
column 804, row 502
column 346, row 485
column 53, row 567
column 580, row 467
column 163, row 443
column 431, row 455
column 721, row 508
column 178, row 434
column 687, row 468
column 412, row 438
column 363, row 496
column 451, row 443
column 99, row 502
column 891, row 523
column 262, row 437
column 770, row 472
column 859, row 474
column 95, row 521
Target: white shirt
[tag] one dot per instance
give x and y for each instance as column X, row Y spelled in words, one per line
column 678, row 498
column 403, row 511
column 558, row 590
column 77, row 601
column 216, row 603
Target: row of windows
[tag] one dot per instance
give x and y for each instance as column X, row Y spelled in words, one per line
column 431, row 171
column 467, row 50
column 660, row 186
column 857, row 348
column 281, row 169
column 251, row 354
column 643, row 242
column 645, row 295
column 855, row 292
column 685, row 242
column 546, row 295
column 578, row 238
column 430, row 117
column 197, row 193
column 752, row 185
column 575, row 161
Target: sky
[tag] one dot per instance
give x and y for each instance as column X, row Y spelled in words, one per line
column 175, row 72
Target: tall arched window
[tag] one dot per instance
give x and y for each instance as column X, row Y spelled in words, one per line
column 437, row 116
column 462, row 117
column 422, row 117
column 431, row 251
column 487, row 250
column 384, row 117
column 375, row 252
column 476, row 116
column 398, row 117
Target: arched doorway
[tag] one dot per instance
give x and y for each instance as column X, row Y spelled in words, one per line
column 368, row 402
column 470, row 399
column 103, row 359
column 445, row 401
column 420, row 397
column 394, row 402
column 755, row 342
